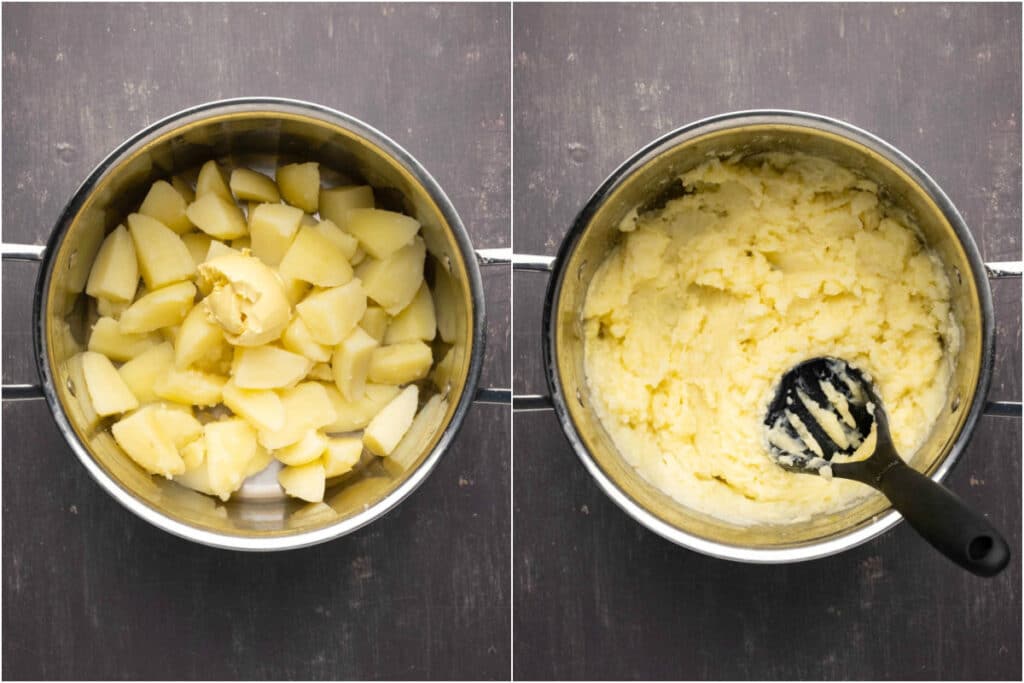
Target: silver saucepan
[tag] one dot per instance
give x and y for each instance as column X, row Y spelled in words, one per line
column 645, row 177
column 259, row 133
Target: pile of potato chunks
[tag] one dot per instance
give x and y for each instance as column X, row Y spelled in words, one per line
column 307, row 330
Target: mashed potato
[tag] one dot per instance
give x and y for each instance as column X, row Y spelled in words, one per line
column 704, row 304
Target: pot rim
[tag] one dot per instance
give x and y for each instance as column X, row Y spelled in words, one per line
column 286, row 540
column 808, row 550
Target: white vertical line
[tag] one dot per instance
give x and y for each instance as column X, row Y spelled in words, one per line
column 511, row 341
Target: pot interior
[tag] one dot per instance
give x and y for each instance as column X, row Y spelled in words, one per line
column 261, row 138
column 649, row 178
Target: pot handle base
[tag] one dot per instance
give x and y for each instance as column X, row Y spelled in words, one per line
column 31, row 253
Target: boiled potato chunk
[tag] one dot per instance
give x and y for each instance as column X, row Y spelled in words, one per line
column 198, row 245
column 308, row 449
column 445, row 309
column 354, row 415
column 400, row 363
column 211, row 181
column 217, row 217
column 142, row 372
column 241, row 243
column 218, row 249
column 321, row 372
column 178, row 423
column 107, row 338
column 305, row 481
column 268, row 367
column 341, row 455
column 297, row 339
column 306, row 407
column 248, row 185
column 230, row 446
column 115, row 272
column 162, row 307
column 107, row 391
column 416, row 440
column 351, row 362
column 76, row 377
column 190, row 387
column 416, row 322
column 193, row 453
column 295, row 290
column 336, row 202
column 198, row 341
column 141, row 437
column 163, row 257
column 442, row 374
column 262, row 408
column 300, row 185
column 184, row 189
column 111, row 309
column 166, row 204
column 248, row 300
column 331, row 314
column 381, row 233
column 341, row 239
column 315, row 259
column 388, row 427
column 375, row 322
column 272, row 228
column 259, row 461
column 393, row 282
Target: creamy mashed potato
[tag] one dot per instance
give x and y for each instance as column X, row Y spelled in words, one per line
column 704, row 304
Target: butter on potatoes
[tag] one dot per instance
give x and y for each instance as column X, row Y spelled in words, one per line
column 704, row 304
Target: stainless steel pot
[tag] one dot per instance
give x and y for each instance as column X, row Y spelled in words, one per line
column 256, row 132
column 643, row 178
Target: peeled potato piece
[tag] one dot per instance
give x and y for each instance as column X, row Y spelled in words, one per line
column 351, row 363
column 162, row 307
column 306, row 407
column 393, row 282
column 272, row 228
column 184, row 189
column 198, row 245
column 381, row 233
column 211, row 180
column 331, row 314
column 321, row 372
column 341, row 239
column 445, row 311
column 262, row 408
column 300, row 185
column 115, row 272
column 305, row 481
column 165, row 203
column 388, row 427
column 76, row 378
column 415, row 441
column 193, row 454
column 336, row 202
column 198, row 340
column 191, row 387
column 230, row 446
column 268, row 367
column 141, row 372
column 217, row 217
column 107, row 391
column 106, row 338
column 354, row 415
column 341, row 455
column 375, row 321
column 416, row 322
column 163, row 257
column 297, row 339
column 315, row 259
column 400, row 363
column 308, row 449
column 248, row 185
column 141, row 437
column 111, row 309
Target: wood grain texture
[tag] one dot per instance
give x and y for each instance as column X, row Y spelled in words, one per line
column 89, row 590
column 595, row 594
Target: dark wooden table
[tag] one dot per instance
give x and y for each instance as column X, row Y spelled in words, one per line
column 595, row 594
column 89, row 590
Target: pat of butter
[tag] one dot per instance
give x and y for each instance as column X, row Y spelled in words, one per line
column 248, row 299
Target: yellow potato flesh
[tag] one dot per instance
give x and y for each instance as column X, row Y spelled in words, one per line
column 262, row 408
column 217, row 217
column 166, row 204
column 300, row 185
column 230, row 446
column 416, row 322
column 305, row 481
column 331, row 314
column 400, row 363
column 388, row 426
column 341, row 239
column 445, row 310
column 442, row 374
column 336, row 202
column 416, row 440
column 198, row 341
column 351, row 362
column 294, row 290
column 184, row 189
column 381, row 233
column 315, row 259
column 111, row 309
column 115, row 272
column 306, row 407
column 190, row 387
column 375, row 322
column 354, row 415
column 141, row 437
column 198, row 245
column 162, row 307
column 306, row 450
column 193, row 454
column 107, row 391
column 393, row 282
column 321, row 372
column 268, row 367
column 248, row 185
column 241, row 243
column 211, row 181
column 272, row 228
column 87, row 416
column 106, row 338
column 297, row 339
column 341, row 455
column 141, row 372
column 163, row 257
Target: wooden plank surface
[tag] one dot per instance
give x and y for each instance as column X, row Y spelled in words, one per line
column 90, row 591
column 596, row 596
